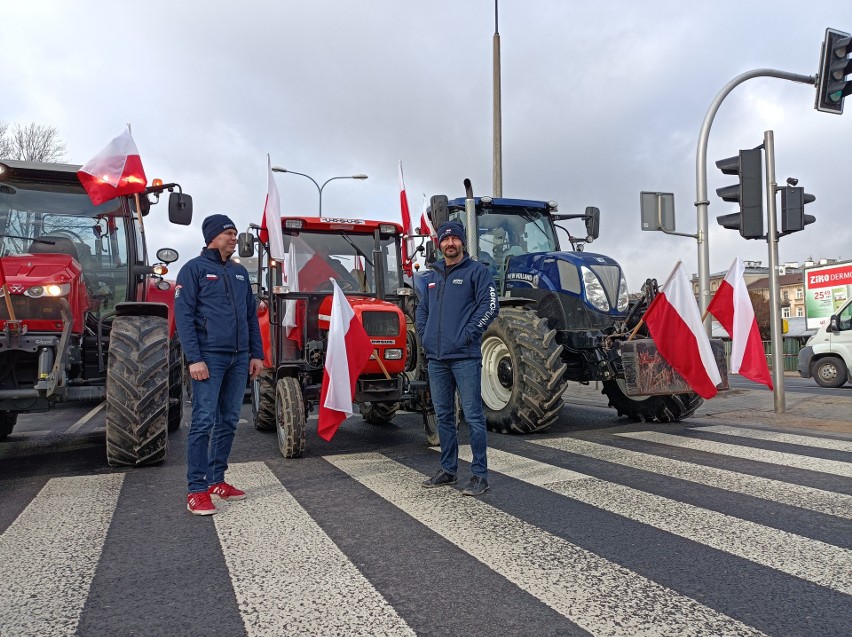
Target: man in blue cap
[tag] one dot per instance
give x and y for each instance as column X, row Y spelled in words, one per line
column 458, row 303
column 216, row 318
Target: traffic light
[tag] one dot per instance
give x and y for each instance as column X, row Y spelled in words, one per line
column 834, row 65
column 793, row 217
column 748, row 165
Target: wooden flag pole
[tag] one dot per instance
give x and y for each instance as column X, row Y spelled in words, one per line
column 381, row 364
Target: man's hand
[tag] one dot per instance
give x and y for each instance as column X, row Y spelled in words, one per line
column 199, row 371
column 255, row 367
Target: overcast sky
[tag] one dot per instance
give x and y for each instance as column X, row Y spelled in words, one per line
column 601, row 100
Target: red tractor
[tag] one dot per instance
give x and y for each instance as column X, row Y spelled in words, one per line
column 364, row 258
column 85, row 317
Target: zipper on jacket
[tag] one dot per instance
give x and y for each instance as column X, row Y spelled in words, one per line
column 233, row 305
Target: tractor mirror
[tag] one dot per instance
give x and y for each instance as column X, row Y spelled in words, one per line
column 439, row 210
column 180, row 208
column 593, row 221
column 246, row 243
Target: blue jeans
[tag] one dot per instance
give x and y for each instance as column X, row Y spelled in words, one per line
column 444, row 378
column 216, row 404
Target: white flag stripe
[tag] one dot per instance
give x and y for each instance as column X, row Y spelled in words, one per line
column 830, row 503
column 601, row 597
column 48, row 555
column 833, row 444
column 288, row 576
column 789, row 553
column 834, row 467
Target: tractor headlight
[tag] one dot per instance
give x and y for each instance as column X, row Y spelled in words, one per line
column 393, row 354
column 623, row 296
column 594, row 290
column 50, row 290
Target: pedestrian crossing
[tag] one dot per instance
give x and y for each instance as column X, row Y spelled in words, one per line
column 579, row 528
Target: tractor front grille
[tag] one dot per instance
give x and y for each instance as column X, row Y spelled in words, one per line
column 44, row 309
column 381, row 323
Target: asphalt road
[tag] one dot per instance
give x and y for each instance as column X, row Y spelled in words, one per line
column 599, row 526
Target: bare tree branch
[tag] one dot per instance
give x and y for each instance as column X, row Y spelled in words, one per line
column 33, row 142
column 5, row 148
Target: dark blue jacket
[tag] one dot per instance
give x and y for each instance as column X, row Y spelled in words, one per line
column 456, row 306
column 215, row 310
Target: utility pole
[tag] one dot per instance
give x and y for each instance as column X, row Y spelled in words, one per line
column 498, row 118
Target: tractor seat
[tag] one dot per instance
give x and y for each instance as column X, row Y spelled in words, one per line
column 61, row 245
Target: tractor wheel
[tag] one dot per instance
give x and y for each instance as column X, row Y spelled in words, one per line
column 430, row 423
column 379, row 413
column 7, row 423
column 176, row 365
column 137, row 391
column 263, row 401
column 415, row 362
column 522, row 371
column 651, row 408
column 290, row 418
column 829, row 372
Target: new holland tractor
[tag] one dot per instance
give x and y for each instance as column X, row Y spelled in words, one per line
column 85, row 317
column 564, row 316
column 364, row 258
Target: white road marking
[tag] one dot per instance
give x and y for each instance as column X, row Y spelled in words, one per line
column 834, row 467
column 48, row 555
column 85, row 419
column 815, row 561
column 834, row 444
column 837, row 504
column 288, row 575
column 599, row 596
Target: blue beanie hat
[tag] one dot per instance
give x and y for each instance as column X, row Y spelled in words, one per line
column 214, row 225
column 451, row 229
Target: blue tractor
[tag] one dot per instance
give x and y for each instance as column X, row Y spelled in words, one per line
column 564, row 316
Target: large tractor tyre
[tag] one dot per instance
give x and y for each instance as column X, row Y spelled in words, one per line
column 137, row 391
column 176, row 367
column 415, row 362
column 651, row 408
column 290, row 418
column 522, row 373
column 263, row 401
column 430, row 424
column 7, row 423
column 830, row 372
column 379, row 413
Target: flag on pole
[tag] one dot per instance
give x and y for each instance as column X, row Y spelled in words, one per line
column 349, row 349
column 675, row 325
column 290, row 323
column 732, row 307
column 270, row 225
column 426, row 223
column 114, row 171
column 407, row 228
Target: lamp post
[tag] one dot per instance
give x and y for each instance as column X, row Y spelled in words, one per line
column 278, row 169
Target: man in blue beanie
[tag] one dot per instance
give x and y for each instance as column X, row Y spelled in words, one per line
column 459, row 301
column 216, row 318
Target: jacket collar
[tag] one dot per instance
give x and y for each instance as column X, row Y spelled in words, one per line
column 441, row 265
column 213, row 255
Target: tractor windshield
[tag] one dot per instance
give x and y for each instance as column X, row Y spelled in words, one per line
column 346, row 257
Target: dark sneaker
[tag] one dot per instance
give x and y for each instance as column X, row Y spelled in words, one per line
column 476, row 486
column 200, row 504
column 440, row 479
column 226, row 491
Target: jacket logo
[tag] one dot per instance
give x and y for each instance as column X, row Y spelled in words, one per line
column 212, row 277
column 240, row 277
column 431, row 285
column 458, row 281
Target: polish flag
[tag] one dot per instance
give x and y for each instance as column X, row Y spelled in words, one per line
column 732, row 307
column 114, row 171
column 408, row 244
column 270, row 225
column 426, row 226
column 675, row 325
column 349, row 349
column 290, row 323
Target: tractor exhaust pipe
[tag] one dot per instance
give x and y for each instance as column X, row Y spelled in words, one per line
column 471, row 223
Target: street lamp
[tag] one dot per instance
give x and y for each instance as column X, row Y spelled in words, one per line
column 278, row 169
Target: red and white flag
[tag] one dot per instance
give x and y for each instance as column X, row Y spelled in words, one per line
column 290, row 323
column 732, row 307
column 674, row 322
column 349, row 349
column 270, row 225
column 407, row 228
column 426, row 226
column 114, row 171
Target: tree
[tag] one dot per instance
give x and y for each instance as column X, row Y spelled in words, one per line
column 33, row 142
column 761, row 312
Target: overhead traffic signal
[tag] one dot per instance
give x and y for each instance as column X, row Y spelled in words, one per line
column 793, row 201
column 748, row 193
column 834, row 67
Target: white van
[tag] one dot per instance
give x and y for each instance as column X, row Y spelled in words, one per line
column 827, row 356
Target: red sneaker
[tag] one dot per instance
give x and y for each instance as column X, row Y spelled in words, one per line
column 200, row 504
column 226, row 491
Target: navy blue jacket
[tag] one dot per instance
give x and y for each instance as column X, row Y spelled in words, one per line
column 456, row 306
column 215, row 310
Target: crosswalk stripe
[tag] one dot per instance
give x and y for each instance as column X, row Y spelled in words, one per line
column 288, row 575
column 812, row 560
column 48, row 555
column 834, row 444
column 836, row 504
column 601, row 597
column 834, row 467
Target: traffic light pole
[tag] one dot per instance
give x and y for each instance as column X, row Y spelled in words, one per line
column 775, row 334
column 701, row 202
